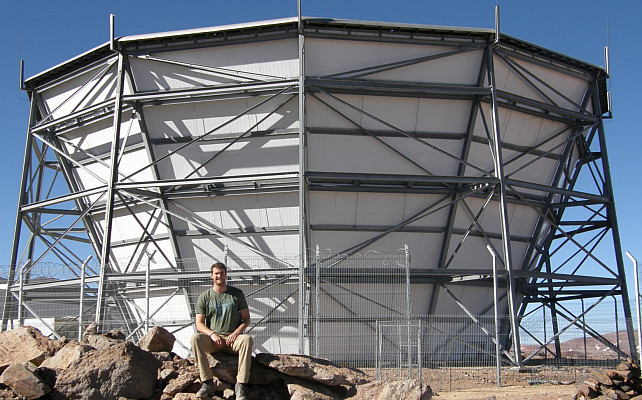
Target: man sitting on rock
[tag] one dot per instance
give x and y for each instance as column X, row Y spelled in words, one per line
column 221, row 317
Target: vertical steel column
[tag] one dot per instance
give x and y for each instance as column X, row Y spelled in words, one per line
column 302, row 187
column 9, row 302
column 113, row 179
column 612, row 219
column 498, row 349
column 499, row 174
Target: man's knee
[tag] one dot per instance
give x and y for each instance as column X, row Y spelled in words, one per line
column 197, row 339
column 245, row 340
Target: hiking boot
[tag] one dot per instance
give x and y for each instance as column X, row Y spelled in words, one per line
column 240, row 389
column 207, row 390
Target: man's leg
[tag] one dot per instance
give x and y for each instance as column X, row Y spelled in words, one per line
column 201, row 345
column 243, row 347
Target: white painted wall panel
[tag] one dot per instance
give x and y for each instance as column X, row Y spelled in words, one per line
column 265, row 60
column 321, row 56
column 334, row 153
column 340, row 208
column 95, row 138
column 477, row 300
column 455, row 69
column 424, row 247
column 241, row 211
column 206, row 249
column 217, row 118
column 540, row 83
column 82, row 90
column 248, row 156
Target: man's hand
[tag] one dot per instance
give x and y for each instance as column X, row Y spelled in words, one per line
column 218, row 341
column 230, row 339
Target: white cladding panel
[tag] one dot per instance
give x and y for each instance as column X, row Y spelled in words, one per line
column 222, row 118
column 94, row 138
column 371, row 209
column 258, row 155
column 399, row 114
column 241, row 211
column 334, row 153
column 84, row 89
column 207, row 249
column 322, row 55
column 424, row 247
column 478, row 300
column 219, row 65
column 539, row 83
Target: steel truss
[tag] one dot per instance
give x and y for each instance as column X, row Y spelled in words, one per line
column 574, row 218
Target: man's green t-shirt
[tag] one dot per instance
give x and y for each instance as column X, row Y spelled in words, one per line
column 222, row 310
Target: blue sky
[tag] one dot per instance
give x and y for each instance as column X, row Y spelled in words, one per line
column 46, row 33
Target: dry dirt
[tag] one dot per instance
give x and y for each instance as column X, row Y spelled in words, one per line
column 527, row 392
column 536, row 383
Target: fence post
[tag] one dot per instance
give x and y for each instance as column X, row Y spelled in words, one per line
column 419, row 358
column 408, row 310
column 21, row 293
column 317, row 300
column 225, row 256
column 82, row 295
column 636, row 279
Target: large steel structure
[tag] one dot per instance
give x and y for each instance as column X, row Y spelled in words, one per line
column 271, row 138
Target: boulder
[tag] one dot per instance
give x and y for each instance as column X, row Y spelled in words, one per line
column 185, row 378
column 101, row 342
column 407, row 389
column 116, row 334
column 22, row 379
column 163, row 356
column 158, row 339
column 225, row 366
column 91, row 329
column 318, row 369
column 25, row 344
column 303, row 389
column 123, row 370
column 72, row 352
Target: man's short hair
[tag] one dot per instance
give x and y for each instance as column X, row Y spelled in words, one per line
column 219, row 265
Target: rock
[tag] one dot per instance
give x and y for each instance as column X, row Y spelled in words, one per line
column 225, row 366
column 185, row 377
column 22, row 379
column 163, row 356
column 274, row 391
column 72, row 352
column 116, row 334
column 303, row 389
column 157, row 339
column 407, row 389
column 318, row 369
column 123, row 370
column 167, row 375
column 91, row 329
column 101, row 342
column 192, row 396
column 182, row 362
column 25, row 344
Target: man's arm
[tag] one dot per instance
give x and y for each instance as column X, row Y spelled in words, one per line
column 202, row 328
column 245, row 316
